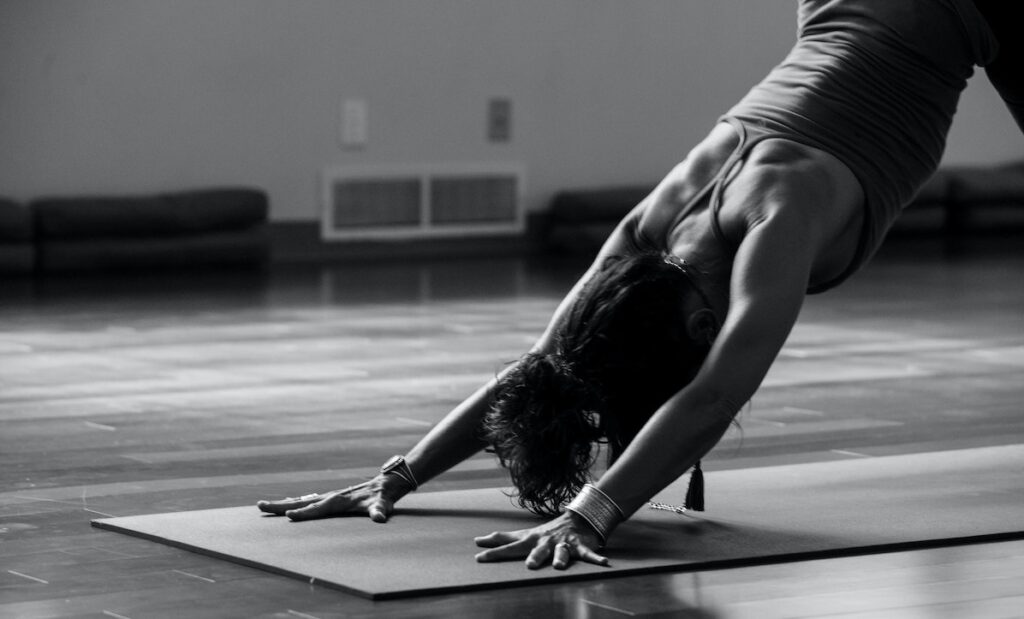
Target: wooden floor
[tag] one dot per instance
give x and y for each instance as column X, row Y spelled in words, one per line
column 135, row 395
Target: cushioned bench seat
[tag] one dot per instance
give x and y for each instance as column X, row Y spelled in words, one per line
column 990, row 185
column 977, row 189
column 190, row 228
column 17, row 253
column 225, row 248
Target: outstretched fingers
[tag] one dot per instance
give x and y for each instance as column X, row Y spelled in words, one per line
column 515, row 550
column 539, row 551
column 562, row 556
column 278, row 508
column 589, row 556
column 498, row 538
column 540, row 554
column 331, row 505
column 560, row 543
column 564, row 553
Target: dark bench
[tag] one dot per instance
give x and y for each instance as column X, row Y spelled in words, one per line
column 17, row 252
column 226, row 226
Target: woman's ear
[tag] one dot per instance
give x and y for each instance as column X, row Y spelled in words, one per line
column 702, row 326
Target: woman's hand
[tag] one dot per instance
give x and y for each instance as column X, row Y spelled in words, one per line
column 561, row 541
column 376, row 498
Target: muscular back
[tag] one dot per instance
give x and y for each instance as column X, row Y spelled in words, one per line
column 776, row 174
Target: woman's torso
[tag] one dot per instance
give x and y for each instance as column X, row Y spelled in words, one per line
column 703, row 208
column 876, row 84
column 867, row 93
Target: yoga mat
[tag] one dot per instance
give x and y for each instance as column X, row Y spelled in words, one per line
column 755, row 516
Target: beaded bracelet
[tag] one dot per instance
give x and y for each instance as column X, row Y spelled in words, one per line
column 598, row 509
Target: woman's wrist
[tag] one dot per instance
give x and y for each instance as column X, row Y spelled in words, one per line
column 398, row 467
column 598, row 510
column 396, row 478
column 392, row 487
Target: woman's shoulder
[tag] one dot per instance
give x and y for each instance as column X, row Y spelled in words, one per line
column 796, row 183
column 660, row 213
column 782, row 173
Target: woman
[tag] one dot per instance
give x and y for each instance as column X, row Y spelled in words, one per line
column 674, row 326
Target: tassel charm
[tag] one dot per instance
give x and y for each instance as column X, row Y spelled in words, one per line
column 695, row 492
column 694, row 495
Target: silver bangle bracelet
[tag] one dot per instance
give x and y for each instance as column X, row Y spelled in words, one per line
column 406, row 477
column 399, row 467
column 598, row 509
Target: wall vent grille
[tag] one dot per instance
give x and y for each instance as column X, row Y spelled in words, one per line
column 397, row 202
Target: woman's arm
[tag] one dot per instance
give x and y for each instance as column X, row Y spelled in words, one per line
column 456, row 438
column 770, row 274
column 453, row 440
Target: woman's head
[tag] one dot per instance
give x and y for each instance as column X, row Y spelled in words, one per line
column 636, row 334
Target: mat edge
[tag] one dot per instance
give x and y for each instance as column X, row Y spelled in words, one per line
column 106, row 526
column 566, row 577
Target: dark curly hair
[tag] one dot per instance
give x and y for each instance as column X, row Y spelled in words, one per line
column 621, row 351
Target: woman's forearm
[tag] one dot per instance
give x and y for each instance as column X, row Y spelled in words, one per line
column 677, row 435
column 770, row 275
column 454, row 439
column 458, row 436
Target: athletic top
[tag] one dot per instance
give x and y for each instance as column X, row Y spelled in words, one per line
column 874, row 83
column 1006, row 72
column 750, row 135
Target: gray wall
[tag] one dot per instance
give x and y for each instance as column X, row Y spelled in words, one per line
column 143, row 95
